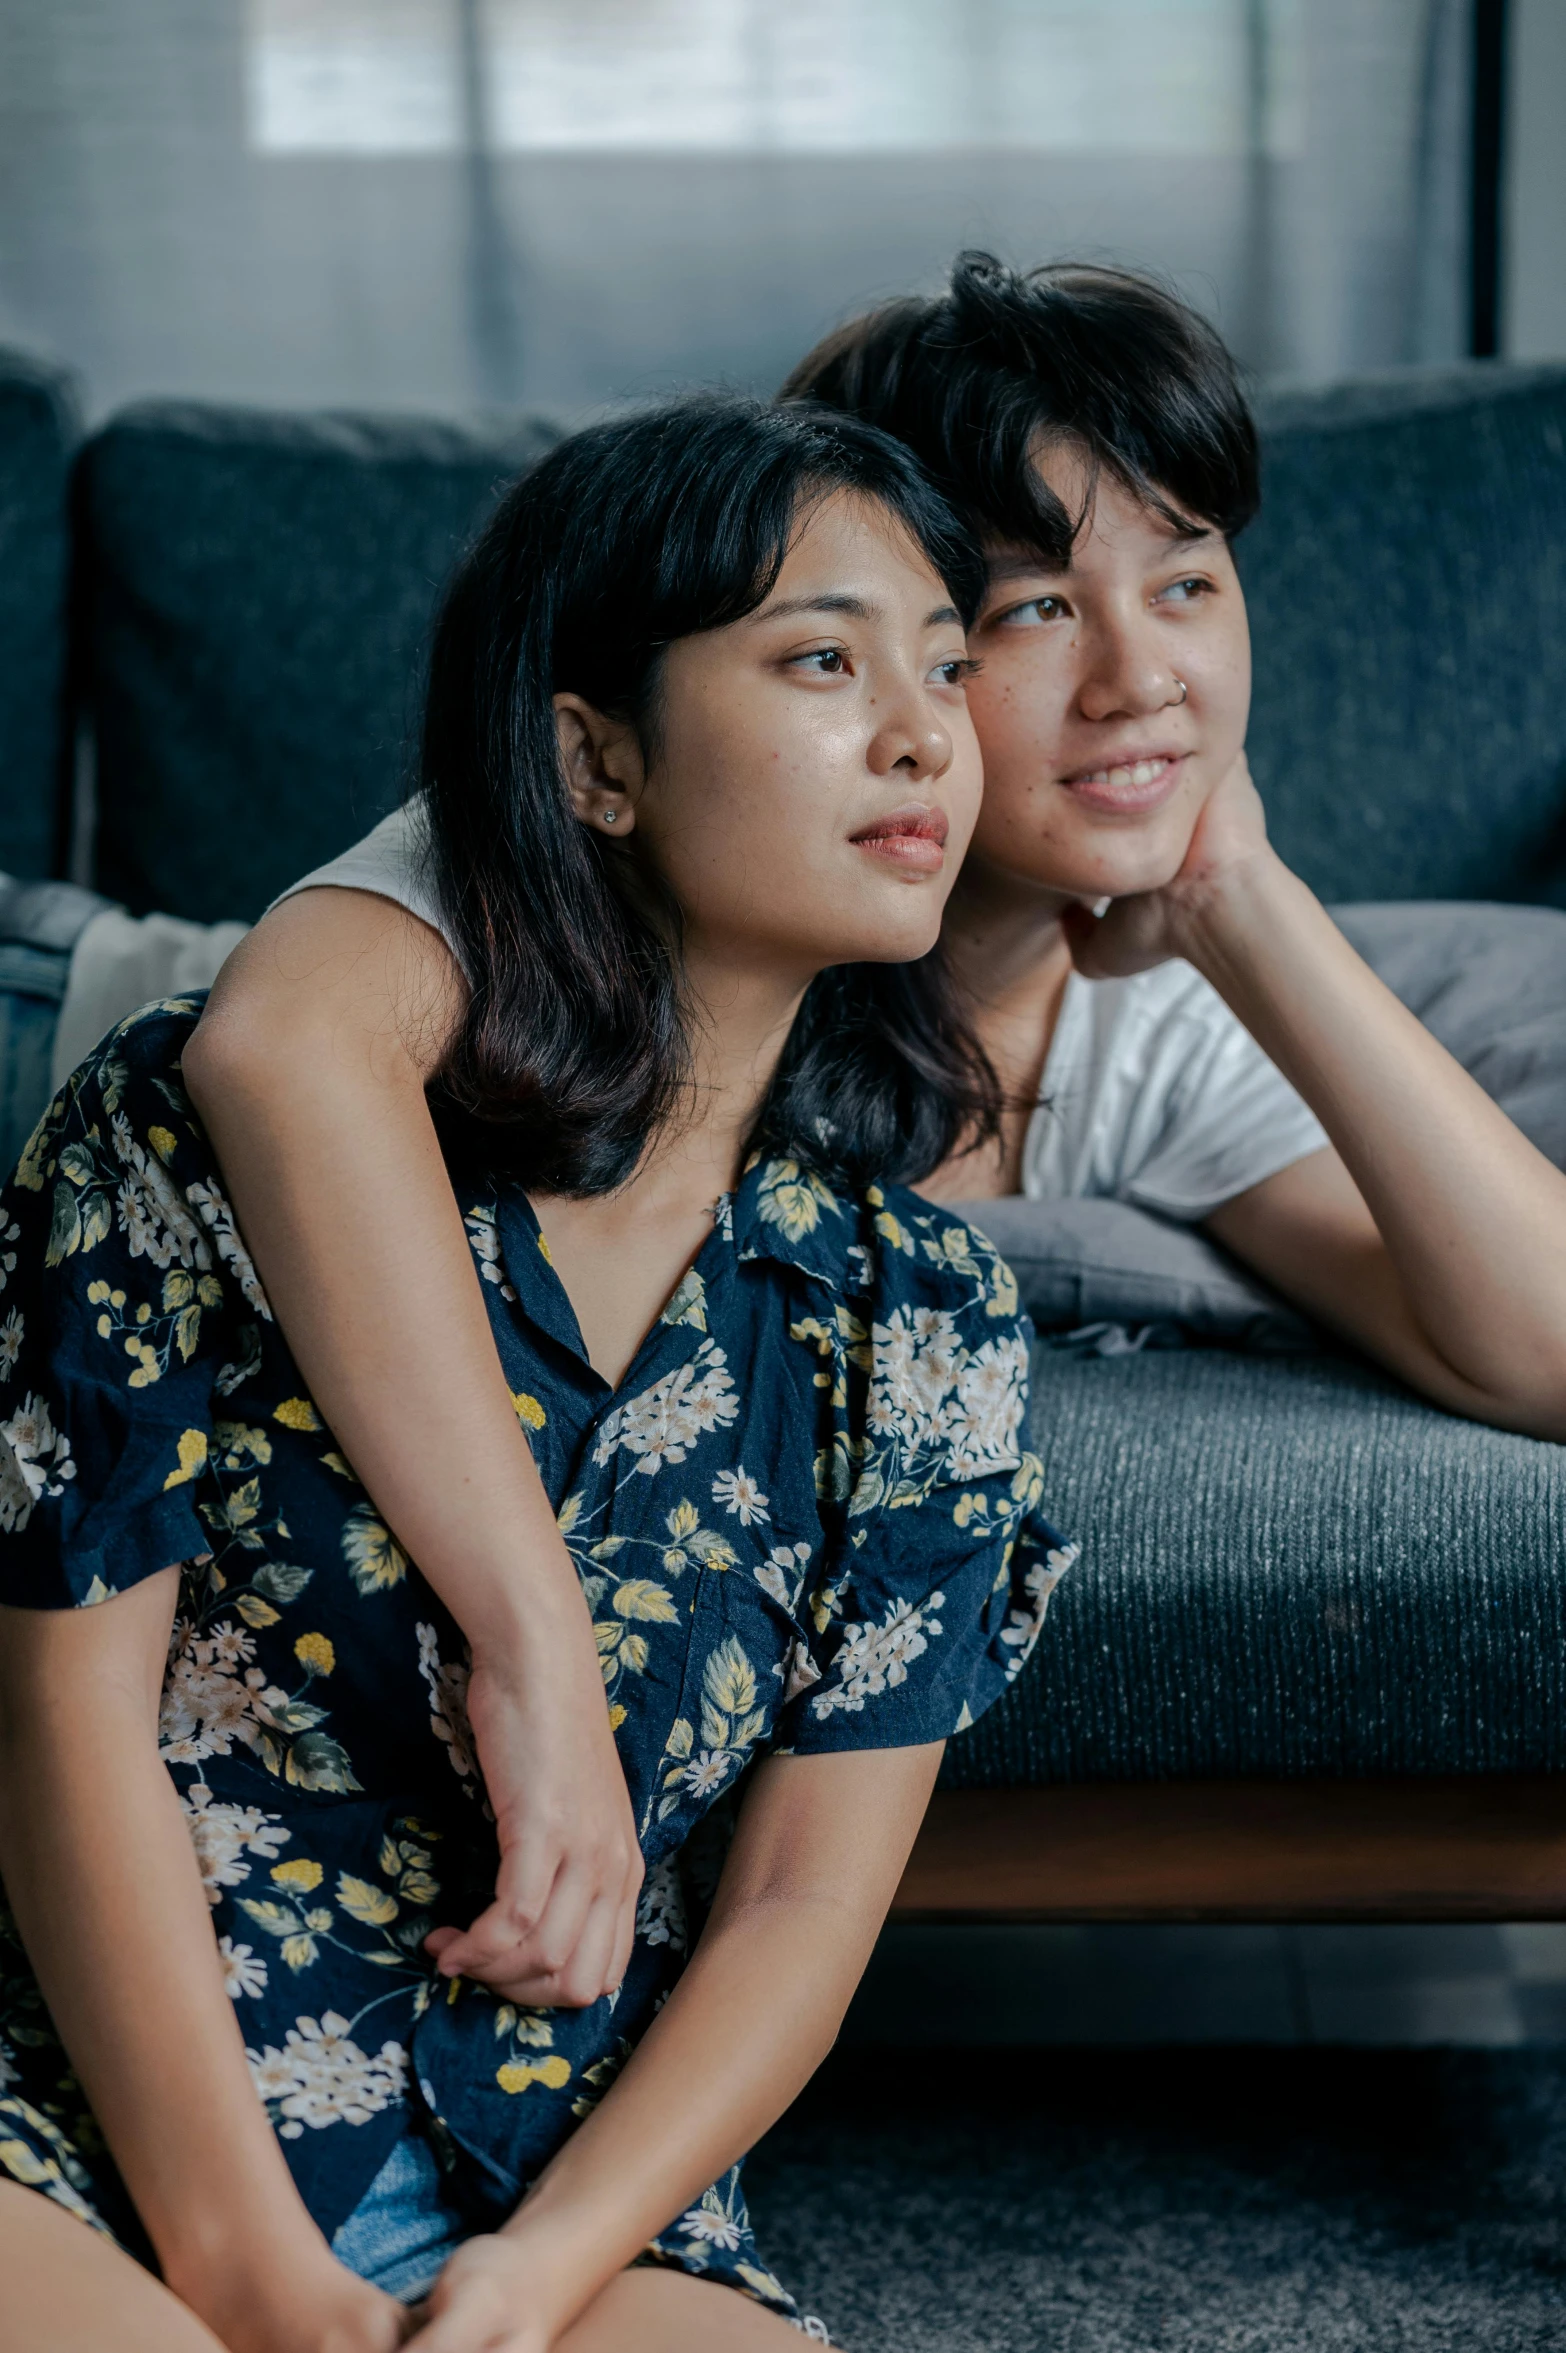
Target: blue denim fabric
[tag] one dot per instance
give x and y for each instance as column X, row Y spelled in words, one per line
column 40, row 923
column 32, row 982
column 402, row 2230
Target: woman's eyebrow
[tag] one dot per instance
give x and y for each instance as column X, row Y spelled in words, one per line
column 1022, row 567
column 857, row 608
column 830, row 601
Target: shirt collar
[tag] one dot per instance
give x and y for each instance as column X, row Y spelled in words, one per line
column 525, row 1256
column 785, row 1211
column 780, row 1210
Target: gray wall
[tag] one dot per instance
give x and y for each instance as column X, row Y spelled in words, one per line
column 1535, row 232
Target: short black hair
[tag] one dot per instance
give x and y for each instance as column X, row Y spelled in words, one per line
column 974, row 379
column 574, row 1046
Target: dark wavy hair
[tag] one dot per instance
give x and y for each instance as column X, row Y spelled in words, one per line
column 975, row 378
column 575, row 1043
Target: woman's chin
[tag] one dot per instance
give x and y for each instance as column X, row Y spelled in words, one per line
column 1100, row 862
column 1089, row 880
column 1118, row 868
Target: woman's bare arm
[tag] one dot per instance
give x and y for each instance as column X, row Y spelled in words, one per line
column 309, row 1068
column 815, row 1863
column 101, row 1874
column 1434, row 1234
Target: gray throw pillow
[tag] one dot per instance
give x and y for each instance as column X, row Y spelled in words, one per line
column 1488, row 981
column 1108, row 1270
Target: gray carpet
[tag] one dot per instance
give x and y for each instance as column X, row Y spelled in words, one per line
column 1218, row 2201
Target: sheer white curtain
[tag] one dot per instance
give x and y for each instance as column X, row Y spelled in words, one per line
column 460, row 203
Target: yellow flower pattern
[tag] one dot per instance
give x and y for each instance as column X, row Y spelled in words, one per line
column 807, row 1519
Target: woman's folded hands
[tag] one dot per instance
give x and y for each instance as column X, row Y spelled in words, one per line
column 494, row 2296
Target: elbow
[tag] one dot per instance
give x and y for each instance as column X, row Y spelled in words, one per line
column 1535, row 1408
column 1517, row 1383
column 241, row 1052
column 259, row 1055
column 1541, row 1415
column 218, row 1051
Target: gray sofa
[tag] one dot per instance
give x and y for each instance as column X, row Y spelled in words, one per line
column 1293, row 1570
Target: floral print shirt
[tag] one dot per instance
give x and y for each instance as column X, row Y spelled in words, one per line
column 805, row 1520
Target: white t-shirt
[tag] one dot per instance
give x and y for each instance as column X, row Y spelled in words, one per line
column 392, row 861
column 1153, row 1092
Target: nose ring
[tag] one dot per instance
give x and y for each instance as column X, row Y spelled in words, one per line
column 1184, row 691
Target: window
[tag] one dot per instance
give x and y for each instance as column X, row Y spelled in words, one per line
column 790, row 77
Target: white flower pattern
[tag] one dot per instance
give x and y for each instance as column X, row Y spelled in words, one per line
column 806, row 1521
column 224, row 1835
column 447, row 1683
column 740, row 1495
column 35, row 1461
column 665, row 1423
column 244, row 1974
column 321, row 2077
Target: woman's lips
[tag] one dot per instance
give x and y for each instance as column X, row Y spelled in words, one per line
column 1129, row 787
column 913, row 839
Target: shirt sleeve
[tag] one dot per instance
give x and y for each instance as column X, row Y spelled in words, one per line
column 939, row 1593
column 1187, row 1111
column 126, row 1296
column 392, row 862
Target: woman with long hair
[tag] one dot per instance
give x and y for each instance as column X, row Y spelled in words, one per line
column 698, row 770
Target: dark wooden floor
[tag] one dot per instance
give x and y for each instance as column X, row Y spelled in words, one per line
column 1472, row 1849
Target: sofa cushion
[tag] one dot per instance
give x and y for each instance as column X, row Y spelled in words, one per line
column 37, row 428
column 1290, row 1566
column 1407, row 586
column 260, row 593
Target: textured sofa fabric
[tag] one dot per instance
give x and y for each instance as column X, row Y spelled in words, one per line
column 37, row 429
column 1290, row 1566
column 1407, row 586
column 261, row 590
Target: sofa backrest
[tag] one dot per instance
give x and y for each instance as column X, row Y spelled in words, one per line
column 261, row 590
column 260, row 593
column 37, row 430
column 1407, row 586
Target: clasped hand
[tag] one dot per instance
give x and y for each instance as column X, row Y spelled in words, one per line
column 559, row 1930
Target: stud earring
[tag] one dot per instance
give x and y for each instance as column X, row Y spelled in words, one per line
column 610, row 816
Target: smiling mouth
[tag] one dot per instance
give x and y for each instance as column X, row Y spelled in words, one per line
column 1129, row 786
column 913, row 838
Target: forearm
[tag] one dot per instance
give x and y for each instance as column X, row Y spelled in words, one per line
column 309, row 1068
column 313, row 1096
column 103, row 1879
column 750, row 2022
column 1472, row 1217
column 802, row 1900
